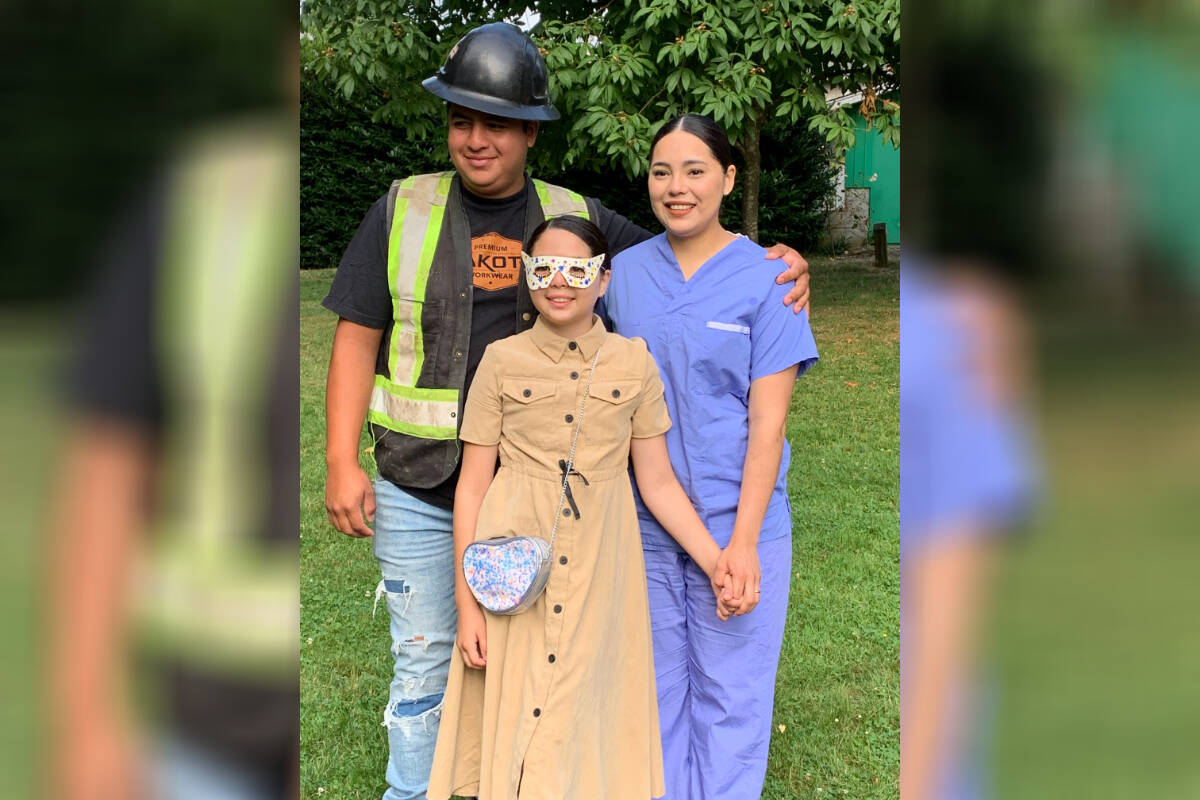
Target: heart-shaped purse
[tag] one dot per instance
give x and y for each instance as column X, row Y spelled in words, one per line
column 507, row 575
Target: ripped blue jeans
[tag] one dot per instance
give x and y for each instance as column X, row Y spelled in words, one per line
column 415, row 549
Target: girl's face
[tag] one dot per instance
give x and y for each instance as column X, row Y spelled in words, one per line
column 687, row 184
column 563, row 307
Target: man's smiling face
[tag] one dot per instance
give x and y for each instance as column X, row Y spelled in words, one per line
column 489, row 151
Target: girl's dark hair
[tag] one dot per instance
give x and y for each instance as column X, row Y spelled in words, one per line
column 704, row 129
column 585, row 229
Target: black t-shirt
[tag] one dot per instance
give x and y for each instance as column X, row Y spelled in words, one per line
column 116, row 375
column 360, row 290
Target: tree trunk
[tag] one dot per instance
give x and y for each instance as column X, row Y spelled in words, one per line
column 752, row 175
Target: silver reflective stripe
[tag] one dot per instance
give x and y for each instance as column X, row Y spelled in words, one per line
column 556, row 200
column 428, row 413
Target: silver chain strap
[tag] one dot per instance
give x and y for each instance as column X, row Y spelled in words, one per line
column 574, row 441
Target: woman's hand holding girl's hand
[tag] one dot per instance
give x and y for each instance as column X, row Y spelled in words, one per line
column 472, row 635
column 739, row 572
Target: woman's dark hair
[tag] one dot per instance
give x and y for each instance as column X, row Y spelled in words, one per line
column 704, row 129
column 585, row 229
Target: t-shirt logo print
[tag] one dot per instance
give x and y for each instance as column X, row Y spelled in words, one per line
column 495, row 261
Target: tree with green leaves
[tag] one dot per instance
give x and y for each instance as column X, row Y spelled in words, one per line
column 622, row 71
column 619, row 69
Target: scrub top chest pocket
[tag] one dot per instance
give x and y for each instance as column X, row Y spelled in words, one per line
column 529, row 406
column 719, row 357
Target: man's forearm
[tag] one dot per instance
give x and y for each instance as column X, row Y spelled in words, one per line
column 348, row 389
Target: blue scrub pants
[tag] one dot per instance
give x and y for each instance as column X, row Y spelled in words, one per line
column 414, row 545
column 716, row 680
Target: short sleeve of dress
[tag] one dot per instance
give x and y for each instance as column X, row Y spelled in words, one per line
column 481, row 415
column 650, row 418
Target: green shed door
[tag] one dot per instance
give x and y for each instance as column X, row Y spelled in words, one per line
column 875, row 165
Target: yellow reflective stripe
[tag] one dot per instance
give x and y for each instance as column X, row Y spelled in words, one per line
column 408, row 267
column 543, row 194
column 578, row 200
column 556, row 200
column 432, row 232
column 420, row 431
column 429, row 413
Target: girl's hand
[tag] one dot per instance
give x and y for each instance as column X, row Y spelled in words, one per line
column 472, row 635
column 739, row 573
column 725, row 608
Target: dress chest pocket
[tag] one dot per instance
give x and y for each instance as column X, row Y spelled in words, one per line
column 609, row 414
column 529, row 411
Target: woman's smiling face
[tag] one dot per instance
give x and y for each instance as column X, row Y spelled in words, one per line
column 687, row 184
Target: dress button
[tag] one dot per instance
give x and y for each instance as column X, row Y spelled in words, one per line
column 574, row 376
column 526, row 393
column 562, row 559
column 558, row 609
column 616, row 392
column 551, row 658
column 537, row 712
column 571, row 345
column 566, row 512
column 525, row 316
column 569, row 418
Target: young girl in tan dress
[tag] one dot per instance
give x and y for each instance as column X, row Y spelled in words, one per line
column 559, row 701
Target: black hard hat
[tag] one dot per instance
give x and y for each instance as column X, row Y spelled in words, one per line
column 495, row 69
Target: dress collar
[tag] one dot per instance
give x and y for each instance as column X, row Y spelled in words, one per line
column 554, row 345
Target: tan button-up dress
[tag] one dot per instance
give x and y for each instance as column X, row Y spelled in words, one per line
column 566, row 707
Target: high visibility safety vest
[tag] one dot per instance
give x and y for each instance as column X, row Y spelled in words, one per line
column 214, row 592
column 416, row 406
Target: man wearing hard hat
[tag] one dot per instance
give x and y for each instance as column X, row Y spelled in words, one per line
column 429, row 280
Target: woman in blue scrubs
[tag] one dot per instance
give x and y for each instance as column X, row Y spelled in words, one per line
column 729, row 351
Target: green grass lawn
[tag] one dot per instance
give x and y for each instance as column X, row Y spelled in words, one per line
column 837, row 695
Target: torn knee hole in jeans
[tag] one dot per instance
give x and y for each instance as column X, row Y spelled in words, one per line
column 417, row 641
column 415, row 715
column 393, row 588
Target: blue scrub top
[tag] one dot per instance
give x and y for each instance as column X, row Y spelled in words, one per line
column 963, row 459
column 711, row 336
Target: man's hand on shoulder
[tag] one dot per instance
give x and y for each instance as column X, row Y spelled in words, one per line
column 796, row 272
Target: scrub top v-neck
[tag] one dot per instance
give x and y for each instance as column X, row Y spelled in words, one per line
column 712, row 335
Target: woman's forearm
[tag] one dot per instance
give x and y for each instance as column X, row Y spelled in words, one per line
column 759, row 473
column 770, row 397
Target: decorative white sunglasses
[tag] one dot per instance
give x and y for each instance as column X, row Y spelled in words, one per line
column 577, row 272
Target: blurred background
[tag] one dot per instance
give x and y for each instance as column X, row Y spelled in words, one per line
column 1050, row 437
column 147, row 399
